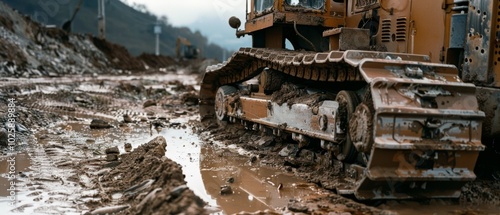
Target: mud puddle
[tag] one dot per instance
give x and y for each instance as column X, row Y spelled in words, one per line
column 16, row 163
column 254, row 188
column 206, row 167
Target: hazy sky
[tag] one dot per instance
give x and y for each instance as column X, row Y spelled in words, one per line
column 210, row 17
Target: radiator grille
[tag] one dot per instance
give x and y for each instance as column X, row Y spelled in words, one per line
column 386, row 30
column 401, row 24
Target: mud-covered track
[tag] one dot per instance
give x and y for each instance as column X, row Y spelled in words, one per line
column 332, row 66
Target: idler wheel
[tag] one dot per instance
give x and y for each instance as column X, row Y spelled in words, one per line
column 348, row 100
column 361, row 128
column 220, row 101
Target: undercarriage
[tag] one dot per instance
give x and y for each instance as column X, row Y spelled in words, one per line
column 400, row 126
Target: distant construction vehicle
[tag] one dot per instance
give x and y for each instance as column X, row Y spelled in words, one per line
column 185, row 50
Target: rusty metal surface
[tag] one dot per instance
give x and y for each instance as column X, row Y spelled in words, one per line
column 427, row 122
column 480, row 43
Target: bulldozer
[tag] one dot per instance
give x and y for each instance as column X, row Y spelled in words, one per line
column 185, row 50
column 404, row 95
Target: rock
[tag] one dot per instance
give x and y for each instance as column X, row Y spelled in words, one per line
column 128, row 147
column 3, row 137
column 111, row 157
column 190, row 99
column 307, row 154
column 112, row 150
column 109, row 210
column 289, row 150
column 99, row 124
column 291, row 164
column 296, row 207
column 230, row 180
column 21, row 128
column 138, row 187
column 176, row 192
column 149, row 103
column 179, row 112
column 226, row 190
column 127, row 119
column 265, row 141
column 253, row 159
column 81, row 100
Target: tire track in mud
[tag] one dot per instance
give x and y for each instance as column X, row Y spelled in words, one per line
column 53, row 186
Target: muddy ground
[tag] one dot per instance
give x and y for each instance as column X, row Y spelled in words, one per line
column 148, row 153
column 86, row 128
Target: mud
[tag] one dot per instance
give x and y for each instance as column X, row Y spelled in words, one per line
column 291, row 94
column 156, row 158
column 155, row 61
column 158, row 189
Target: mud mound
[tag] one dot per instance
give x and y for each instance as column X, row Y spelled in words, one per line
column 481, row 192
column 156, row 61
column 118, row 55
column 292, row 94
column 151, row 183
column 7, row 23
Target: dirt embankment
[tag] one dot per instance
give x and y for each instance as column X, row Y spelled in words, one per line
column 30, row 49
column 119, row 57
column 157, row 61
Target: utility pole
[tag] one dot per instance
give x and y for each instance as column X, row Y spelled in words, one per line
column 157, row 31
column 101, row 19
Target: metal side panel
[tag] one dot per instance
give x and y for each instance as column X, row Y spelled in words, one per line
column 295, row 118
column 481, row 26
column 398, row 70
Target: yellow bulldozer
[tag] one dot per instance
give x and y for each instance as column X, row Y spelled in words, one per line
column 403, row 94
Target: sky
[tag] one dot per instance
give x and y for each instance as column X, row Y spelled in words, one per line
column 210, row 17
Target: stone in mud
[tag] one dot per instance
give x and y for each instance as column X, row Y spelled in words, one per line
column 3, row 137
column 253, row 159
column 265, row 141
column 109, row 209
column 128, row 147
column 112, row 150
column 177, row 191
column 189, row 99
column 226, row 190
column 307, row 154
column 21, row 128
column 127, row 119
column 111, row 157
column 295, row 206
column 99, row 124
column 149, row 103
column 289, row 150
column 230, row 180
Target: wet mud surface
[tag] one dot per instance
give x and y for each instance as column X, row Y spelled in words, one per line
column 152, row 155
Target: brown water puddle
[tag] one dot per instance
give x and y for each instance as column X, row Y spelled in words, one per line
column 21, row 163
column 254, row 188
column 207, row 169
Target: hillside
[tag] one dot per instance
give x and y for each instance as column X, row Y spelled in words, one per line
column 124, row 25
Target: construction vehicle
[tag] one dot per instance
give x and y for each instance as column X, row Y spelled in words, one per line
column 404, row 94
column 185, row 50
